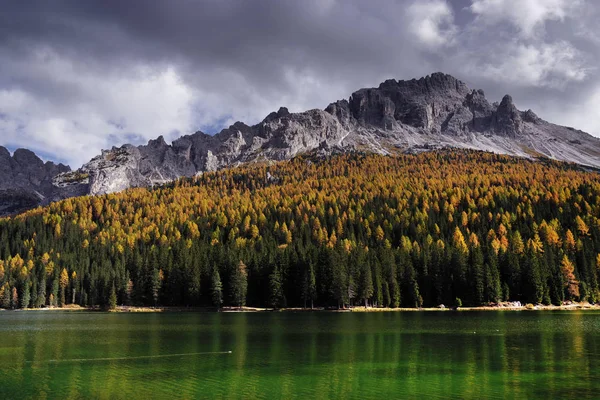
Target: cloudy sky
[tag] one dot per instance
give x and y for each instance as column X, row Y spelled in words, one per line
column 79, row 76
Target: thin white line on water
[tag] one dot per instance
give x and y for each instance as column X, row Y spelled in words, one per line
column 130, row 358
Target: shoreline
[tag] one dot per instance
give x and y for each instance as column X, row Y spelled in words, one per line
column 361, row 309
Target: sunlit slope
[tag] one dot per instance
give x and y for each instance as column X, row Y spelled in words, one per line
column 452, row 227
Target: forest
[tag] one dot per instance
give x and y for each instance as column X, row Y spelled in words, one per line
column 453, row 227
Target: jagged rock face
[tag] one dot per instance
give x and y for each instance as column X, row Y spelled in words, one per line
column 507, row 119
column 398, row 116
column 26, row 181
column 423, row 103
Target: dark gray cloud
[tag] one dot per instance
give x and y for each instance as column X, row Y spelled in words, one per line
column 79, row 76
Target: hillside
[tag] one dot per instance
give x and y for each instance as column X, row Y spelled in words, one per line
column 434, row 112
column 409, row 230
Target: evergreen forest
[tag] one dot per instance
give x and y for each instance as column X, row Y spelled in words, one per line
column 453, row 227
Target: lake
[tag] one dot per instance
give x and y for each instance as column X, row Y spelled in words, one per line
column 319, row 355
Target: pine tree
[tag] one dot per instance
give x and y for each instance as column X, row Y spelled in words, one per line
column 25, row 295
column 309, row 286
column 54, row 294
column 532, row 282
column 129, row 291
column 477, row 279
column 112, row 300
column 216, row 288
column 493, row 288
column 340, row 279
column 414, row 298
column 239, row 285
column 366, row 283
column 276, row 297
column 41, row 297
column 156, row 285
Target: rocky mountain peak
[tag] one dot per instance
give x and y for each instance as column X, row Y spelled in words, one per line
column 27, row 159
column 282, row 112
column 413, row 115
column 4, row 153
column 530, row 116
column 507, row 119
column 26, row 180
column 158, row 142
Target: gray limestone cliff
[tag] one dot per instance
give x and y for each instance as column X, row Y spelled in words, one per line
column 436, row 111
column 26, row 181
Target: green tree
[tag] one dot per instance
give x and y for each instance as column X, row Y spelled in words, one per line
column 41, row 297
column 366, row 283
column 309, row 286
column 112, row 299
column 216, row 288
column 239, row 285
column 25, row 295
column 477, row 278
column 532, row 282
column 276, row 296
column 157, row 278
column 129, row 291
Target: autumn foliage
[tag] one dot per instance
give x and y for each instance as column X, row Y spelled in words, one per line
column 412, row 230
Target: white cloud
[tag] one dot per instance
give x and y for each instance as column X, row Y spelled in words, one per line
column 580, row 113
column 146, row 102
column 528, row 16
column 542, row 64
column 509, row 42
column 431, row 22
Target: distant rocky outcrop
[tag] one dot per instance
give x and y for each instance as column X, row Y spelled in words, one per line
column 398, row 116
column 26, row 181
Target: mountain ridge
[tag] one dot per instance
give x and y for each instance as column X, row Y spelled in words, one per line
column 414, row 115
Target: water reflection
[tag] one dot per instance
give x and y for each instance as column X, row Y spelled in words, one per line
column 315, row 355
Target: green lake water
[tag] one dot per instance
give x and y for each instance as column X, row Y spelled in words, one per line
column 435, row 355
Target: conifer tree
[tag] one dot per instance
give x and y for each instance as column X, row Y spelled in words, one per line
column 25, row 295
column 276, row 298
column 366, row 283
column 309, row 286
column 156, row 285
column 533, row 286
column 476, row 274
column 216, row 288
column 239, row 285
column 112, row 300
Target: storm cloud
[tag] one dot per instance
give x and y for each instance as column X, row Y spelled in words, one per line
column 76, row 77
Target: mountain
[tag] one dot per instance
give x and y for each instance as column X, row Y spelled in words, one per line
column 398, row 116
column 26, row 181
